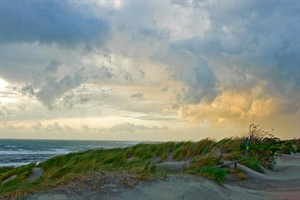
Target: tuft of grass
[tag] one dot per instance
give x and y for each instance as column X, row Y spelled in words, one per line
column 5, row 169
column 252, row 164
column 240, row 174
column 233, row 155
column 21, row 172
column 206, row 167
column 203, row 147
column 215, row 173
column 205, row 161
column 182, row 151
column 190, row 149
column 164, row 149
column 231, row 145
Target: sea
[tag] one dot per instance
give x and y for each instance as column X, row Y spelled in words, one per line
column 22, row 152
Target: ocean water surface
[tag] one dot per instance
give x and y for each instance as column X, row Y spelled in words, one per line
column 21, row 152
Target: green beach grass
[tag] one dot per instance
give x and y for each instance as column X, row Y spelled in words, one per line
column 139, row 161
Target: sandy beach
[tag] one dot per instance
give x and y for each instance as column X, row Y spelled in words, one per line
column 282, row 183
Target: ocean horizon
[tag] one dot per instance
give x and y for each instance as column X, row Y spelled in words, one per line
column 18, row 152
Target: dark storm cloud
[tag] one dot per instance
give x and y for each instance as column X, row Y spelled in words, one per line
column 49, row 22
column 245, row 43
column 201, row 83
column 261, row 38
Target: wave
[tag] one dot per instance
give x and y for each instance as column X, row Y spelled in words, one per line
column 22, row 152
column 28, row 152
column 10, row 146
column 14, row 164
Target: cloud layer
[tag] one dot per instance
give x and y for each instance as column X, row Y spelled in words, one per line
column 216, row 62
column 50, row 22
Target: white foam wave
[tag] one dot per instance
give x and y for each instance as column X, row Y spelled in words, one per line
column 14, row 164
column 28, row 152
column 10, row 146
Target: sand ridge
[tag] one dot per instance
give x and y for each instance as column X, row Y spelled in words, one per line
column 283, row 183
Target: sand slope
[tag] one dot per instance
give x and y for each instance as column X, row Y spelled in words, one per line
column 179, row 187
column 283, row 183
column 286, row 172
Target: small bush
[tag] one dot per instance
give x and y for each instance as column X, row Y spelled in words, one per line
column 296, row 145
column 286, row 147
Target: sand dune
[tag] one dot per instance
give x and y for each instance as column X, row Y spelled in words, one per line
column 283, row 183
column 286, row 174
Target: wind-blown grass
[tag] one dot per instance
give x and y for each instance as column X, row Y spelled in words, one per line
column 186, row 150
column 139, row 160
column 252, row 164
column 207, row 166
column 215, row 173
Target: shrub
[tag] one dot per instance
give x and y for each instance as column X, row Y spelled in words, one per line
column 263, row 145
column 296, row 145
column 286, row 147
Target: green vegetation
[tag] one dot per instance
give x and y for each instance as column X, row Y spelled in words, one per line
column 21, row 173
column 239, row 174
column 186, row 150
column 207, row 167
column 252, row 164
column 205, row 157
column 5, row 169
column 215, row 173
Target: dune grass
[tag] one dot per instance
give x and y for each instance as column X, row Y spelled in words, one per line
column 140, row 160
column 252, row 164
column 136, row 160
column 186, row 150
column 207, row 166
column 20, row 172
column 215, row 173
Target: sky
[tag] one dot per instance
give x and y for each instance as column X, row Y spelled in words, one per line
column 148, row 70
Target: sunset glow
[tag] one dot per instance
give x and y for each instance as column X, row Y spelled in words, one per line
column 148, row 70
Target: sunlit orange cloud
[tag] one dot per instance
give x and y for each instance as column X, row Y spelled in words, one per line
column 230, row 106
